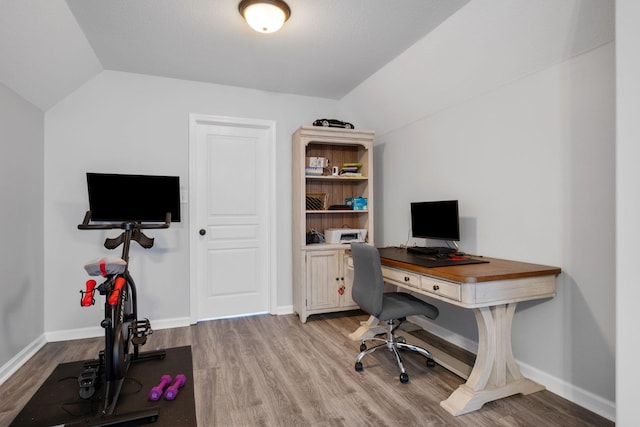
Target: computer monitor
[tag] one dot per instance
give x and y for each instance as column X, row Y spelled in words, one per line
column 144, row 198
column 435, row 220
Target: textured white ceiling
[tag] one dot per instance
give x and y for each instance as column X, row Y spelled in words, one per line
column 51, row 47
column 325, row 49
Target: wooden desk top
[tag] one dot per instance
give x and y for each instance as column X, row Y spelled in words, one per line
column 495, row 269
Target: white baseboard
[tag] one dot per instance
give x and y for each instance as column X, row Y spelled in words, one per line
column 577, row 395
column 74, row 334
column 282, row 310
column 97, row 331
column 581, row 397
column 176, row 322
column 21, row 358
column 445, row 334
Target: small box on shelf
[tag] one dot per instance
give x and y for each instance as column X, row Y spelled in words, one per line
column 313, row 171
column 317, row 162
column 356, row 203
column 317, row 201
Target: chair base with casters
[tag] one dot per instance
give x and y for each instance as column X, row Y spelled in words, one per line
column 393, row 344
column 391, row 307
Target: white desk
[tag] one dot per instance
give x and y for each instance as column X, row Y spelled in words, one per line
column 492, row 290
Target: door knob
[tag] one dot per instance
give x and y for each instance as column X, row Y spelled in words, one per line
column 202, row 231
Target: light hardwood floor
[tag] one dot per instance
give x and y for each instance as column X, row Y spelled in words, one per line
column 276, row 371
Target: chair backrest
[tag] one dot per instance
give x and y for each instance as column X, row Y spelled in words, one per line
column 368, row 284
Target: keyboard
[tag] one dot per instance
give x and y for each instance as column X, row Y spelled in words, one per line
column 430, row 250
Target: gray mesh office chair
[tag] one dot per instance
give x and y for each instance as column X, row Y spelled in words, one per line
column 368, row 293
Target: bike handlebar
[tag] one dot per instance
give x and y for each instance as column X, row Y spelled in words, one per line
column 122, row 225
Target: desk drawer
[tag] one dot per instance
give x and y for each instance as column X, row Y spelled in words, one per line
column 403, row 278
column 441, row 287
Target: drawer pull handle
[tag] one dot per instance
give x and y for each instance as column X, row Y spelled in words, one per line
column 406, row 278
column 436, row 287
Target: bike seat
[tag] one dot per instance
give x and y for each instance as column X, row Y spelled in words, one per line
column 105, row 266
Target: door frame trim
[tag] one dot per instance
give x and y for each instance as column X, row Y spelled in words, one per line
column 196, row 120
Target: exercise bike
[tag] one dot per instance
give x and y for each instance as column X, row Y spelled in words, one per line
column 123, row 328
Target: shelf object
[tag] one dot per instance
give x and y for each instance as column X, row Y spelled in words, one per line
column 316, row 201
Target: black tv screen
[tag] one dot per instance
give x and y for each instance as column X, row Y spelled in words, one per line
column 435, row 220
column 116, row 197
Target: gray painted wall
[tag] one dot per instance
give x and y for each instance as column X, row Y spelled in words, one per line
column 529, row 153
column 21, row 220
column 132, row 123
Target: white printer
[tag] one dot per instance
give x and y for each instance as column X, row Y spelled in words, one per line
column 345, row 235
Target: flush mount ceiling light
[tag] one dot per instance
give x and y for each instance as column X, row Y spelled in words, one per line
column 264, row 16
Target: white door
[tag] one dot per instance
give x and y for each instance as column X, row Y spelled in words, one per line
column 230, row 198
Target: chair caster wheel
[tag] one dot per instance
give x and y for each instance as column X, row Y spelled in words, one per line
column 363, row 347
column 431, row 363
column 401, row 340
column 359, row 367
column 404, row 378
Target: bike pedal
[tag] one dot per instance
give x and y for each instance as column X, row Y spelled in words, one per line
column 88, row 379
column 141, row 330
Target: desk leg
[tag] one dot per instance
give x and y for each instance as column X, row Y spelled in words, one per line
column 495, row 373
column 368, row 329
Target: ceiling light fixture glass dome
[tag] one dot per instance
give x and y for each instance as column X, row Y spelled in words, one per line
column 264, row 16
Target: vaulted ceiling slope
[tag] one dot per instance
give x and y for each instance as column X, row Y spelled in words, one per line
column 44, row 54
column 327, row 48
column 485, row 45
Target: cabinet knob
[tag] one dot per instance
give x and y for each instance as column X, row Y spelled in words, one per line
column 202, row 231
column 406, row 278
column 436, row 287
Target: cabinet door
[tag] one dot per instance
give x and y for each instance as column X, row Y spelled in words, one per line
column 347, row 268
column 323, row 279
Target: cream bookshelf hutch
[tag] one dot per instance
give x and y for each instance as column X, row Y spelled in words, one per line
column 321, row 278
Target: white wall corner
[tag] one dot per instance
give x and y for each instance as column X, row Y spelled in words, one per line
column 16, row 362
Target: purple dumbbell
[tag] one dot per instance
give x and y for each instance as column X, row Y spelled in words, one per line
column 156, row 392
column 172, row 391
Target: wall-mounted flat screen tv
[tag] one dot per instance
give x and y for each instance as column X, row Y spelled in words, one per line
column 435, row 220
column 143, row 198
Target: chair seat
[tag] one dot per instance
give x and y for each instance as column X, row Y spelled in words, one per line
column 396, row 305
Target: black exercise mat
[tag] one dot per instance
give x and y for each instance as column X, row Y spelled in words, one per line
column 428, row 261
column 57, row 402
